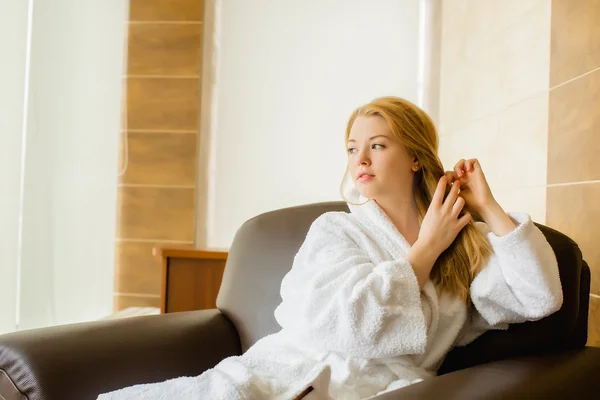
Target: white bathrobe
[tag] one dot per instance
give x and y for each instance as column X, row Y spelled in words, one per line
column 355, row 324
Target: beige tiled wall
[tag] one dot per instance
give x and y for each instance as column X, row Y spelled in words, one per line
column 156, row 201
column 574, row 135
column 494, row 95
column 520, row 90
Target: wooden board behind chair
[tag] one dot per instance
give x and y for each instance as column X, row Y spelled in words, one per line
column 190, row 278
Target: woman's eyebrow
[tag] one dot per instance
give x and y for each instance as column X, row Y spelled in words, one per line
column 371, row 138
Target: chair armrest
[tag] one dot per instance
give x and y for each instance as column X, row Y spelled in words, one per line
column 80, row 361
column 572, row 374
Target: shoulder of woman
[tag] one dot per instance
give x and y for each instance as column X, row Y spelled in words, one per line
column 333, row 218
column 335, row 221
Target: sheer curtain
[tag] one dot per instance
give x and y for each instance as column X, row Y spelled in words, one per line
column 60, row 108
column 326, row 59
column 13, row 40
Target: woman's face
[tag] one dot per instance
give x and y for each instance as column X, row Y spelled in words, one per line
column 378, row 163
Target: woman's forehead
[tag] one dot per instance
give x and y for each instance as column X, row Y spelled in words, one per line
column 366, row 127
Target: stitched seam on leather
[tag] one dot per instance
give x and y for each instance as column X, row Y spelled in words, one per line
column 13, row 385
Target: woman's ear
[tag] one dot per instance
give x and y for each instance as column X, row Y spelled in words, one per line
column 416, row 165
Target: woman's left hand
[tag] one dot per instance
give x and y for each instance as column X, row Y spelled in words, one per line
column 473, row 185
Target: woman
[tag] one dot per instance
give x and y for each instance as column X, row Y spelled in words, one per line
column 377, row 297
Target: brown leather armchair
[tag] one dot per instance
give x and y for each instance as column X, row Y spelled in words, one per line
column 543, row 359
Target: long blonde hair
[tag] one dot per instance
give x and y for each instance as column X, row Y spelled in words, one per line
column 458, row 265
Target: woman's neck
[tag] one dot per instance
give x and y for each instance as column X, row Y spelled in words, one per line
column 404, row 215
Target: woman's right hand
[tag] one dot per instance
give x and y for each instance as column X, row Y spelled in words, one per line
column 439, row 228
column 441, row 223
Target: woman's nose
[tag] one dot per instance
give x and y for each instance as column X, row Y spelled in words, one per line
column 364, row 161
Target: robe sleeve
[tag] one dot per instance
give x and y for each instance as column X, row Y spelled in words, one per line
column 337, row 299
column 521, row 281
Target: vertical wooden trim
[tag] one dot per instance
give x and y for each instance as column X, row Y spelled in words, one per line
column 206, row 125
column 164, row 283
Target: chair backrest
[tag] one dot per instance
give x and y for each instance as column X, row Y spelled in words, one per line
column 263, row 251
column 565, row 329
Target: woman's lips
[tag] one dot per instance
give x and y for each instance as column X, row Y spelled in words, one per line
column 365, row 177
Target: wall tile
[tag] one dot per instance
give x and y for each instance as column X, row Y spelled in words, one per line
column 159, row 49
column 454, row 33
column 161, row 10
column 510, row 144
column 470, row 25
column 156, row 213
column 489, row 21
column 594, row 323
column 159, row 155
column 575, row 47
column 574, row 131
column 510, row 66
column 163, row 104
column 573, row 210
column 531, row 200
column 137, row 269
column 137, row 252
column 123, row 302
column 160, row 158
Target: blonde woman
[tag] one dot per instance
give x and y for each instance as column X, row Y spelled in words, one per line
column 377, row 297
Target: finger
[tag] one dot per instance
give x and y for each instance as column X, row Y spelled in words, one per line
column 451, row 176
column 458, row 206
column 459, row 168
column 452, row 196
column 468, row 166
column 464, row 220
column 440, row 190
column 474, row 164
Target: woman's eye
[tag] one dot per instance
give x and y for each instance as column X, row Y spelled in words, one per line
column 351, row 150
column 376, row 146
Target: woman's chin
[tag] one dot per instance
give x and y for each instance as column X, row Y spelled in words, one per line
column 367, row 194
column 367, row 190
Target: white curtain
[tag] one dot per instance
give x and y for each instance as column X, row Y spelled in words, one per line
column 60, row 101
column 307, row 65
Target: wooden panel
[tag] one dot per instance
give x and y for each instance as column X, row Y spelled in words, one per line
column 123, row 302
column 156, row 213
column 174, row 253
column 137, row 270
column 575, row 45
column 193, row 284
column 573, row 131
column 163, row 10
column 161, row 159
column 190, row 253
column 159, row 49
column 594, row 322
column 163, row 103
column 573, row 210
column 164, row 45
